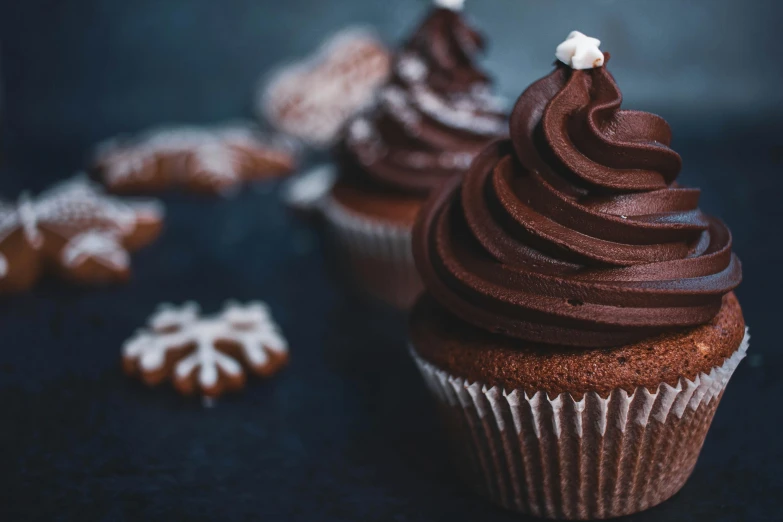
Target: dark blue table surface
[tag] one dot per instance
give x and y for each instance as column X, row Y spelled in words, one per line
column 346, row 432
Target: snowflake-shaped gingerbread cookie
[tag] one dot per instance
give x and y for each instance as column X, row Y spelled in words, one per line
column 206, row 354
column 74, row 230
column 208, row 160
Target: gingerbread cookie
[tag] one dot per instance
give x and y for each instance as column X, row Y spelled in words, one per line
column 208, row 355
column 203, row 160
column 73, row 230
column 313, row 99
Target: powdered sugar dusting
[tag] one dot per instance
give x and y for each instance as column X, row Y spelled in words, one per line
column 397, row 105
column 409, row 101
column 463, row 116
column 459, row 110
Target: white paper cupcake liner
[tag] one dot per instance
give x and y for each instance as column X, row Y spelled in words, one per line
column 377, row 242
column 592, row 458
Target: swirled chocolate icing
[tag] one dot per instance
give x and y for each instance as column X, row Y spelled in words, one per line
column 432, row 118
column 574, row 231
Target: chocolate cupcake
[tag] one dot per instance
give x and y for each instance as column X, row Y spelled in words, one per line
column 432, row 118
column 579, row 326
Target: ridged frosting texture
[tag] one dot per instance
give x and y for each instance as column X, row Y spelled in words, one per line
column 574, row 231
column 433, row 117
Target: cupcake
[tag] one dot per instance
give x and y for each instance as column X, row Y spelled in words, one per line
column 431, row 119
column 579, row 326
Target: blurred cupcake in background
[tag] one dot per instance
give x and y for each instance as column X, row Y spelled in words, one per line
column 579, row 326
column 430, row 120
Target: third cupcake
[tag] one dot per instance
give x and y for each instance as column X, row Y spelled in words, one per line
column 579, row 326
column 431, row 119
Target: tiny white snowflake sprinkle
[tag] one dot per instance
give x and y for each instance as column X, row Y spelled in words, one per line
column 206, row 354
column 580, row 51
column 455, row 5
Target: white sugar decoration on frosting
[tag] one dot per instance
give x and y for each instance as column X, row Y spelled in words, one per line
column 396, row 101
column 360, row 130
column 580, row 51
column 362, row 133
column 458, row 160
column 415, row 102
column 249, row 327
column 308, row 190
column 457, row 110
column 100, row 246
column 461, row 117
column 411, row 68
column 455, row 5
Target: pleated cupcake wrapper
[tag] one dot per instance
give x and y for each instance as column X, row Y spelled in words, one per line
column 592, row 458
column 365, row 239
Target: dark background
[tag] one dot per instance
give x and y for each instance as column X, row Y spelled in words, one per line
column 346, row 432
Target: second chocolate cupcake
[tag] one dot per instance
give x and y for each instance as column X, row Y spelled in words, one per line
column 433, row 117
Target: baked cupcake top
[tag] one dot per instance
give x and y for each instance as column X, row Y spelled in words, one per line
column 434, row 115
column 574, row 231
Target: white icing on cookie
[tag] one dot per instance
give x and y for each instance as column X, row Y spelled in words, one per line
column 27, row 219
column 77, row 203
column 580, row 51
column 216, row 162
column 249, row 327
column 97, row 245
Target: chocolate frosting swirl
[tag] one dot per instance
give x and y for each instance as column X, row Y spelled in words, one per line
column 432, row 118
column 574, row 232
